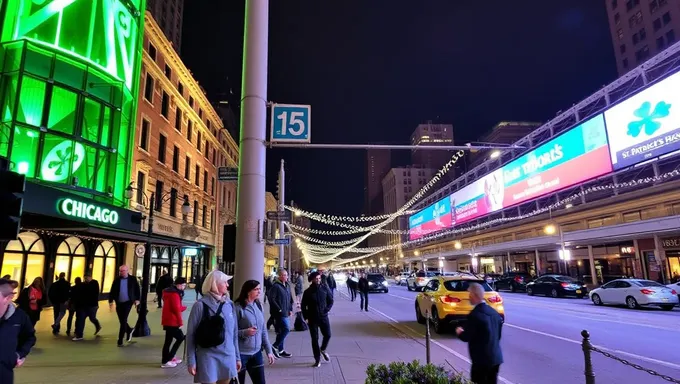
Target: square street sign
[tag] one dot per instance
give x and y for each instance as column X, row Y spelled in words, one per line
column 290, row 123
column 227, row 174
column 284, row 241
column 279, row 216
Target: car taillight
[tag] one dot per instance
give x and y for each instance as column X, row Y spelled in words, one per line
column 647, row 291
column 420, row 279
column 518, row 279
column 564, row 285
column 495, row 299
column 673, row 292
column 449, row 300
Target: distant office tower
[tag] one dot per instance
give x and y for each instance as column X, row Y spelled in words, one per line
column 505, row 132
column 378, row 163
column 433, row 134
column 168, row 15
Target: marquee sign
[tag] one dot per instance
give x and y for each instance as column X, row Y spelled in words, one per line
column 91, row 212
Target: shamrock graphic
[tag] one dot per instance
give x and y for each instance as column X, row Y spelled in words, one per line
column 61, row 163
column 648, row 118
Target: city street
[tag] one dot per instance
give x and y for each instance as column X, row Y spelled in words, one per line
column 541, row 339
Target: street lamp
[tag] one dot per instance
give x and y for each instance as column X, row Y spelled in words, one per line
column 142, row 327
column 458, row 245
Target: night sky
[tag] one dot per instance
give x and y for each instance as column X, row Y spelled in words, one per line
column 373, row 70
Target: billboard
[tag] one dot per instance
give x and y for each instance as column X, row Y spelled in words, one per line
column 482, row 197
column 645, row 126
column 431, row 219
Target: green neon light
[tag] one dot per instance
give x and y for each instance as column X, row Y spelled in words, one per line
column 63, row 160
column 91, row 212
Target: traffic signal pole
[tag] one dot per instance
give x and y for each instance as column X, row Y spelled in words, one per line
column 281, row 197
column 249, row 260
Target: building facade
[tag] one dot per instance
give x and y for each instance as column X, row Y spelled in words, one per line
column 271, row 252
column 505, row 132
column 431, row 134
column 169, row 15
column 68, row 91
column 641, row 29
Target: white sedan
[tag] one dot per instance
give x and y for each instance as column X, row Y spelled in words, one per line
column 676, row 287
column 635, row 293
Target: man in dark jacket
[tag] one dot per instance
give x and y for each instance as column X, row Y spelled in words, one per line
column 16, row 332
column 281, row 308
column 317, row 301
column 58, row 294
column 165, row 281
column 125, row 292
column 482, row 332
column 332, row 284
column 87, row 307
column 362, row 286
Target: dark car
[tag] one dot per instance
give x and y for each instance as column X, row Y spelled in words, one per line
column 513, row 281
column 377, row 283
column 491, row 278
column 557, row 286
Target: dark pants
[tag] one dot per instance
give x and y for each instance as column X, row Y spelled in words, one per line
column 123, row 311
column 171, row 333
column 69, row 320
column 159, row 297
column 352, row 293
column 86, row 313
column 59, row 312
column 283, row 325
column 254, row 366
column 6, row 375
column 484, row 374
column 315, row 326
column 364, row 300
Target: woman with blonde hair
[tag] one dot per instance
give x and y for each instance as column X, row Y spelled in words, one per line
column 213, row 354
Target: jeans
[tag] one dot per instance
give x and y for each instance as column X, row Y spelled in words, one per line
column 86, row 313
column 123, row 311
column 171, row 333
column 364, row 300
column 324, row 326
column 254, row 366
column 69, row 320
column 484, row 375
column 160, row 299
column 283, row 325
column 59, row 312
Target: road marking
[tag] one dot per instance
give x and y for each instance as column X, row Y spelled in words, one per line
column 399, row 297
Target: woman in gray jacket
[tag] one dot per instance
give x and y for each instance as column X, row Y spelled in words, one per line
column 252, row 333
column 219, row 364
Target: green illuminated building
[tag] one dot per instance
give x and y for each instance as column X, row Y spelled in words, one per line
column 69, row 77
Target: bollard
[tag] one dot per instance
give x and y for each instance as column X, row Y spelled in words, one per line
column 585, row 345
column 427, row 337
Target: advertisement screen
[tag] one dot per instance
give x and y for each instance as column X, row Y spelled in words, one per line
column 571, row 158
column 646, row 125
column 482, row 197
column 431, row 219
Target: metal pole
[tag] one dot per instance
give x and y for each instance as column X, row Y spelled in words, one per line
column 427, row 337
column 586, row 346
column 397, row 147
column 249, row 262
column 282, row 196
column 142, row 327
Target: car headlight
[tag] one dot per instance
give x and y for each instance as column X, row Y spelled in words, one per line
column 370, row 283
column 384, row 283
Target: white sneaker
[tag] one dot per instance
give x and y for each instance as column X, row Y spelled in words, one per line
column 169, row 364
column 176, row 360
column 77, row 338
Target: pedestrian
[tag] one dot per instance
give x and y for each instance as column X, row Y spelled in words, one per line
column 165, row 281
column 171, row 320
column 362, row 286
column 87, row 307
column 16, row 332
column 299, row 286
column 74, row 296
column 212, row 334
column 281, row 308
column 59, row 294
column 482, row 332
column 317, row 301
column 125, row 292
column 32, row 299
column 332, row 284
column 267, row 286
column 252, row 337
column 198, row 285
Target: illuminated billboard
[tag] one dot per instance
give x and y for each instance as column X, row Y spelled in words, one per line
column 483, row 196
column 431, row 219
column 646, row 125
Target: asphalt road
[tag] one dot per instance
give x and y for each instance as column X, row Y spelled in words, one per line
column 542, row 342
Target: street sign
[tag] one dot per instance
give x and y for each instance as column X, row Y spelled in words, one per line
column 280, row 216
column 284, row 241
column 291, row 123
column 227, row 174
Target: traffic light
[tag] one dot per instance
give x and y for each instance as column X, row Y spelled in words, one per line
column 12, row 187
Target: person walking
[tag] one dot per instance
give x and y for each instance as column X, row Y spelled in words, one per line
column 252, row 336
column 299, row 285
column 332, row 284
column 58, row 294
column 87, row 307
column 75, row 296
column 317, row 301
column 482, row 332
column 362, row 286
column 198, row 286
column 32, row 299
column 165, row 281
column 171, row 320
column 125, row 292
column 267, row 286
column 281, row 309
column 16, row 332
column 212, row 334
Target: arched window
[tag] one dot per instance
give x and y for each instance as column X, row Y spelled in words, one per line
column 24, row 258
column 104, row 265
column 175, row 262
column 71, row 259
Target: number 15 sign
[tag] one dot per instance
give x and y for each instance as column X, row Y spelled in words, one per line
column 291, row 123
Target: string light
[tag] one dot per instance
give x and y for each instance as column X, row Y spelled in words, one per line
column 323, row 217
column 82, row 237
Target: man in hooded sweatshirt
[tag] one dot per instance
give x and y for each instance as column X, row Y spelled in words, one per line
column 16, row 332
column 317, row 301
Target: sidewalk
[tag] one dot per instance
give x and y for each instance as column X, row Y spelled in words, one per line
column 358, row 339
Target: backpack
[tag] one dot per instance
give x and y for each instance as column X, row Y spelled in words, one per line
column 300, row 324
column 210, row 331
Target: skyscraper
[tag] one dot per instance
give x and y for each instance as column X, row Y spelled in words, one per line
column 432, row 134
column 378, row 163
column 168, row 15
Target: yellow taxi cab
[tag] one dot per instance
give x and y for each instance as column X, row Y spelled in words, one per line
column 447, row 300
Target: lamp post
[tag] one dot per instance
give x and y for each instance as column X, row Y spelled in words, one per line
column 142, row 327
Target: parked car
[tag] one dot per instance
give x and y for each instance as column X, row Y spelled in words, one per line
column 513, row 281
column 401, row 278
column 447, row 300
column 557, row 286
column 417, row 280
column 676, row 287
column 635, row 293
column 491, row 278
column 377, row 283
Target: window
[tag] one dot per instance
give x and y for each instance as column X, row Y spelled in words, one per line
column 141, row 186
column 635, row 19
column 180, row 88
column 158, row 197
column 615, row 3
column 148, row 88
column 144, row 135
column 625, row 63
column 198, row 140
column 630, row 4
column 212, row 186
column 168, row 71
column 622, row 48
column 198, row 175
column 165, row 105
column 208, row 124
column 212, row 219
column 200, row 113
column 195, row 212
column 207, row 149
column 190, row 130
column 191, row 101
column 228, row 199
column 175, row 159
column 666, row 18
column 643, row 34
column 619, row 33
column 173, row 202
column 152, row 52
column 642, row 54
column 670, row 37
column 187, row 168
column 660, row 43
column 205, row 181
column 204, row 216
column 617, row 19
column 162, row 142
column 657, row 25
column 178, row 119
